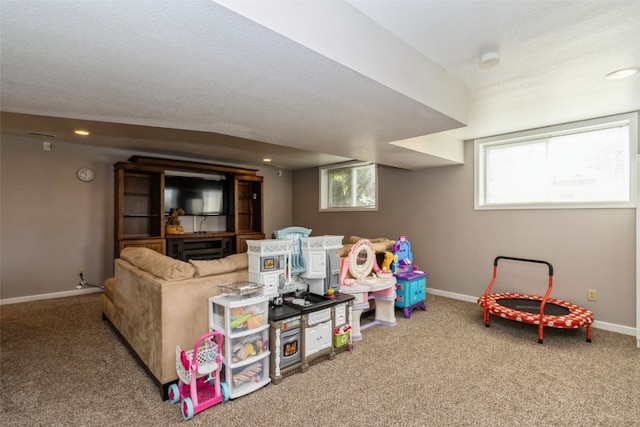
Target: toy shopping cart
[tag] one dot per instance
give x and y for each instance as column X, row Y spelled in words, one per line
column 199, row 386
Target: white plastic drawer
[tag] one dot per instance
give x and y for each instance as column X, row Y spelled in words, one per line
column 238, row 315
column 245, row 347
column 341, row 314
column 316, row 317
column 244, row 378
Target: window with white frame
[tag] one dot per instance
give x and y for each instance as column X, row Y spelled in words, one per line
column 349, row 186
column 578, row 165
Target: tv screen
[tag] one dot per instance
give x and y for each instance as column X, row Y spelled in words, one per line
column 196, row 195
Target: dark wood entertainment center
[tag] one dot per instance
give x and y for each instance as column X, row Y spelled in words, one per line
column 140, row 212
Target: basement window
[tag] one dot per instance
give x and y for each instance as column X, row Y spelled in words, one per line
column 590, row 164
column 349, row 187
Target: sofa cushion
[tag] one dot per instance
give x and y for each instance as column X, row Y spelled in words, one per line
column 159, row 265
column 227, row 264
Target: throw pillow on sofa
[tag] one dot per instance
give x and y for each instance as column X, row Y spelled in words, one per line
column 159, row 265
column 224, row 265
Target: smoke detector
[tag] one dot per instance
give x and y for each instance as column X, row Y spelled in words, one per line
column 489, row 60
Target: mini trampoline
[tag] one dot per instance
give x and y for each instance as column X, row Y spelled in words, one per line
column 542, row 311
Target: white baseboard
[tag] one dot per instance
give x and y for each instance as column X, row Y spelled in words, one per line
column 612, row 327
column 49, row 296
column 625, row 330
column 452, row 295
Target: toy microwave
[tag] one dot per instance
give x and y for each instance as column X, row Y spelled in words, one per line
column 271, row 263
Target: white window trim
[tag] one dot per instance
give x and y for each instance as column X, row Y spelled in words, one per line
column 632, row 118
column 323, row 193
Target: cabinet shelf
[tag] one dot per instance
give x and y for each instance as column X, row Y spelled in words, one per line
column 200, row 248
column 140, row 194
column 138, row 236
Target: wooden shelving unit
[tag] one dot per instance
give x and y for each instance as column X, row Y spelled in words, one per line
column 139, row 205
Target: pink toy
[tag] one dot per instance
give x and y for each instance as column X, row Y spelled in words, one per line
column 199, row 386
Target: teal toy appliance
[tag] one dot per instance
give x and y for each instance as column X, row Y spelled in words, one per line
column 411, row 291
column 411, row 283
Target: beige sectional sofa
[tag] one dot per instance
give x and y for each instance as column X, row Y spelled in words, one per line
column 156, row 302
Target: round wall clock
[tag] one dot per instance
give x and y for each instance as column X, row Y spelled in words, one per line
column 85, row 174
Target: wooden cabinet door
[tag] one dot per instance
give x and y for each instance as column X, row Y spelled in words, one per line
column 316, row 265
column 241, row 240
column 157, row 245
column 248, row 204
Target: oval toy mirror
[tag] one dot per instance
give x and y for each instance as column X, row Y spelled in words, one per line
column 361, row 259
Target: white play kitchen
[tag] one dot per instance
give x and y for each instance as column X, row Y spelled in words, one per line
column 302, row 283
column 297, row 307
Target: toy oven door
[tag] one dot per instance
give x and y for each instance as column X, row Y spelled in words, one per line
column 290, row 347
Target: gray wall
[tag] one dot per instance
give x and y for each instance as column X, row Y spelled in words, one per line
column 589, row 248
column 52, row 224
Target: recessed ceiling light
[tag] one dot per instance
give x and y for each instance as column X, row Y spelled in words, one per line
column 81, row 132
column 621, row 74
column 489, row 60
column 266, row 160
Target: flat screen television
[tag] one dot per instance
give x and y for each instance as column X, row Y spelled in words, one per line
column 197, row 195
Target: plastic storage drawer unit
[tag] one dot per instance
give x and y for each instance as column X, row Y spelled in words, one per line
column 244, row 322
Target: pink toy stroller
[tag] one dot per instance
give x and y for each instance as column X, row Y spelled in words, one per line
column 199, row 386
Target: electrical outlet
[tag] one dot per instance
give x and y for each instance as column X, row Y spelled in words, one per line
column 592, row 295
column 80, row 271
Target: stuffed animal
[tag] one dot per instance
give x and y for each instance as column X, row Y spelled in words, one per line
column 173, row 222
column 386, row 263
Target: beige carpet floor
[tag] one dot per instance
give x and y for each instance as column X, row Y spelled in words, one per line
column 62, row 365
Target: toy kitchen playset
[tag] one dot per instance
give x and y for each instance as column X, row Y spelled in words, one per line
column 309, row 316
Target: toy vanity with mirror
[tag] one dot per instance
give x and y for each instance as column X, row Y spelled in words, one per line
column 361, row 277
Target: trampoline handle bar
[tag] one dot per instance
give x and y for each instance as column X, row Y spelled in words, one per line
column 548, row 264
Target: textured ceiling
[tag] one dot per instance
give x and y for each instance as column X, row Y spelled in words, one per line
column 554, row 55
column 197, row 79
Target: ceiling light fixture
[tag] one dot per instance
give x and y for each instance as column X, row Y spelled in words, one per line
column 81, row 132
column 266, row 160
column 489, row 60
column 621, row 74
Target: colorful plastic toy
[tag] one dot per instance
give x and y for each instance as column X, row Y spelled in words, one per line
column 403, row 258
column 536, row 310
column 199, row 385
